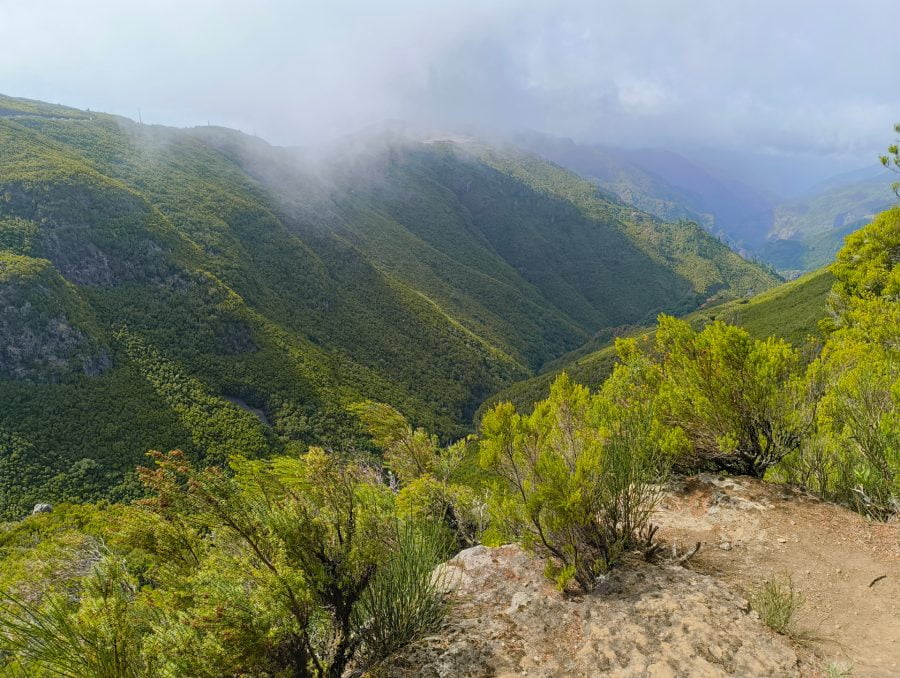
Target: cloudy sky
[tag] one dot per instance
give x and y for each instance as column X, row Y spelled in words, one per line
column 786, row 78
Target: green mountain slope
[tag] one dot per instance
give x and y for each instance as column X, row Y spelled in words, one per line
column 791, row 311
column 807, row 233
column 666, row 185
column 201, row 289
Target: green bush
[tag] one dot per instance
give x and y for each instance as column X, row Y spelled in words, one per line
column 96, row 631
column 777, row 603
column 294, row 565
column 735, row 398
column 433, row 482
column 577, row 480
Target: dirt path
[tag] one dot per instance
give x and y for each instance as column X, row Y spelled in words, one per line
column 753, row 531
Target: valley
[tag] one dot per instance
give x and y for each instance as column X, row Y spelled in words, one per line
column 437, row 405
column 793, row 234
column 160, row 274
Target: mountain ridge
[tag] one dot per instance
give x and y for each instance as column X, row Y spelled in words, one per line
column 203, row 275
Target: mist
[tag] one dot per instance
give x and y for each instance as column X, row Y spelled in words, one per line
column 789, row 93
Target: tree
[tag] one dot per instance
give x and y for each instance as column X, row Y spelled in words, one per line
column 855, row 455
column 865, row 300
column 892, row 160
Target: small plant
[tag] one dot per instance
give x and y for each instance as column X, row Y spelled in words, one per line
column 777, row 603
column 836, row 670
column 405, row 600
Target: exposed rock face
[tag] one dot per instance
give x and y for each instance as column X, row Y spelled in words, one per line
column 39, row 342
column 38, row 348
column 94, row 235
column 643, row 620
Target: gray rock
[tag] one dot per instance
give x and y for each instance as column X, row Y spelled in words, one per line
column 508, row 620
column 41, row 508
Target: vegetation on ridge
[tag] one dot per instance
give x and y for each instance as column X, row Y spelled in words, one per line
column 315, row 562
column 791, row 311
column 208, row 292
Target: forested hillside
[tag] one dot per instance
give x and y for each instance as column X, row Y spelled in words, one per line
column 807, row 233
column 791, row 311
column 200, row 289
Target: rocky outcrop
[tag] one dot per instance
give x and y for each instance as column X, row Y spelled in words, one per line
column 94, row 233
column 39, row 339
column 642, row 620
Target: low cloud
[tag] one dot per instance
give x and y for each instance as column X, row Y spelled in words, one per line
column 798, row 78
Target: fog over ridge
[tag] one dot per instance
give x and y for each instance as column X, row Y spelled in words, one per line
column 802, row 85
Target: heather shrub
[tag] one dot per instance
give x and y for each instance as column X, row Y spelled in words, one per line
column 576, row 480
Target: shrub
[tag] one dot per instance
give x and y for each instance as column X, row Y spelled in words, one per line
column 303, row 565
column 735, row 398
column 853, row 456
column 290, row 566
column 94, row 630
column 577, row 480
column 777, row 603
column 432, row 479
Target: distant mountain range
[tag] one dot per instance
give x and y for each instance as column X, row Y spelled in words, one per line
column 808, row 232
column 793, row 236
column 665, row 184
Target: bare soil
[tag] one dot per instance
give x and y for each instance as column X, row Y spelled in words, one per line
column 677, row 618
column 847, row 567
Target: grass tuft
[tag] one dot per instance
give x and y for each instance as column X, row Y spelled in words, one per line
column 836, row 670
column 777, row 603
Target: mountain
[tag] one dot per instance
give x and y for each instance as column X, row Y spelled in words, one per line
column 791, row 311
column 794, row 236
column 203, row 290
column 808, row 232
column 667, row 185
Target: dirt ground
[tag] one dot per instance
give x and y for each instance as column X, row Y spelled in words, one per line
column 847, row 567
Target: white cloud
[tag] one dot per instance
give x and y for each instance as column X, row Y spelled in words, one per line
column 785, row 77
